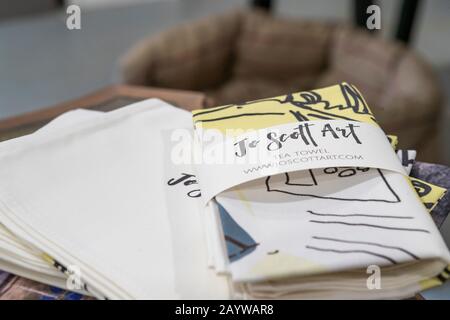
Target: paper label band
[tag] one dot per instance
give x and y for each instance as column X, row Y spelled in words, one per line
column 234, row 159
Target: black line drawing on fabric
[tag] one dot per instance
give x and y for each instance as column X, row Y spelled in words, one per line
column 353, row 251
column 441, row 278
column 422, row 190
column 364, row 225
column 273, row 252
column 243, row 247
column 368, row 225
column 405, row 159
column 343, row 172
column 358, row 215
column 244, row 115
column 305, row 191
column 412, row 255
column 311, row 175
column 311, row 106
column 353, row 100
column 389, row 139
column 238, row 241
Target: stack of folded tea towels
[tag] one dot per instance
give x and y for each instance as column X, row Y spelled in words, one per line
column 85, row 202
column 94, row 202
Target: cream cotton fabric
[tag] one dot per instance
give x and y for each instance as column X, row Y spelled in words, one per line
column 95, row 195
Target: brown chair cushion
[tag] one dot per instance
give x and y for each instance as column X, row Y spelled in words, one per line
column 391, row 77
column 196, row 56
column 363, row 60
column 278, row 49
column 413, row 95
column 238, row 90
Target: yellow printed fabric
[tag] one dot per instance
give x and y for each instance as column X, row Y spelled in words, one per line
column 429, row 193
column 343, row 101
column 393, row 140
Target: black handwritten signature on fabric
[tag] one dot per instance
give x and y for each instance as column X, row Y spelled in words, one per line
column 310, row 194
